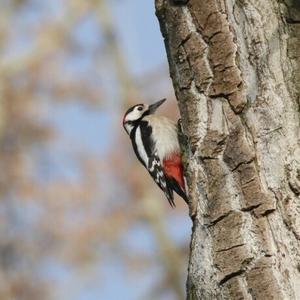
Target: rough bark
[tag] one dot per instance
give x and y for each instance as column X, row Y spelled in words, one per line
column 235, row 70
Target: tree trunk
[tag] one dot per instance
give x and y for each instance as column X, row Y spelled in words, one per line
column 235, row 70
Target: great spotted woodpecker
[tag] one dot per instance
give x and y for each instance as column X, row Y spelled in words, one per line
column 155, row 143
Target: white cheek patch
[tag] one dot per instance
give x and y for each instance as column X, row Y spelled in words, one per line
column 134, row 115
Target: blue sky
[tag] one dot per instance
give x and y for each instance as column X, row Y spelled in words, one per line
column 140, row 36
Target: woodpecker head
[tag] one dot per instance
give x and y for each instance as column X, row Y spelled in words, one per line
column 137, row 112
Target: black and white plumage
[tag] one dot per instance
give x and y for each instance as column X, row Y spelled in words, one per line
column 155, row 143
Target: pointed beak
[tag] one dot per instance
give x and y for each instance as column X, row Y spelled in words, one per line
column 153, row 107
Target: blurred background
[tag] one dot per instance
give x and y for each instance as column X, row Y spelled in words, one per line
column 80, row 218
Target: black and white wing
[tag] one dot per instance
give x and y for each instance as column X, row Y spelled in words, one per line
column 144, row 147
column 156, row 171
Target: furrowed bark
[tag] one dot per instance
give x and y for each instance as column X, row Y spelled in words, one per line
column 235, row 70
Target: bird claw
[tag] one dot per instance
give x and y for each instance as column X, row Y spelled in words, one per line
column 179, row 127
column 179, row 124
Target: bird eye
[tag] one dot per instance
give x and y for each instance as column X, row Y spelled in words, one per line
column 140, row 108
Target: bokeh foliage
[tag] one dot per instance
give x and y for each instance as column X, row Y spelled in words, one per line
column 74, row 202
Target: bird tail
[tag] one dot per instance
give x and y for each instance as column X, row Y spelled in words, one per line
column 177, row 188
column 170, row 197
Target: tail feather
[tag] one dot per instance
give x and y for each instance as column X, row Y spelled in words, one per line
column 170, row 196
column 177, row 188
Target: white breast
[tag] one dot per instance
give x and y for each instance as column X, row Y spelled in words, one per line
column 164, row 133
